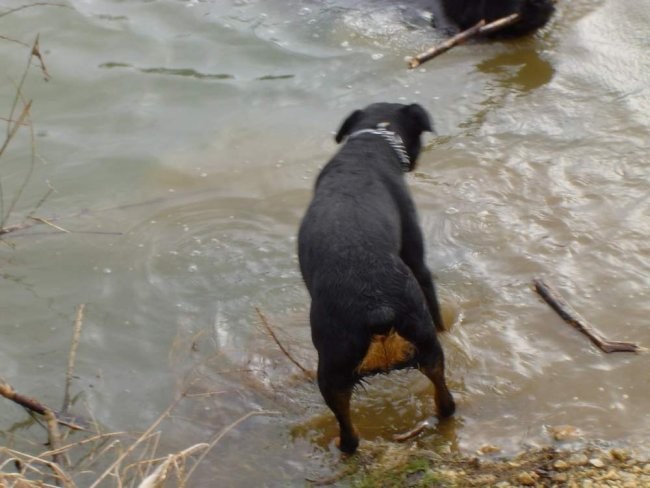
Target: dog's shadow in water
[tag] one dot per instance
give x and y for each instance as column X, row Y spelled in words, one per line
column 522, row 67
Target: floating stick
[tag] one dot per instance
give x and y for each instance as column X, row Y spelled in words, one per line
column 571, row 317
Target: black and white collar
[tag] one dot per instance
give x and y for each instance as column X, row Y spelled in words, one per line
column 393, row 139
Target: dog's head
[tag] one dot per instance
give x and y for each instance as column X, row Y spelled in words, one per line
column 407, row 121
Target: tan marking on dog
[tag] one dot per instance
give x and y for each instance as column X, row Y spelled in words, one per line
column 386, row 352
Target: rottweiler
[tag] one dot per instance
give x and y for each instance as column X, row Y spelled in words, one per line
column 361, row 252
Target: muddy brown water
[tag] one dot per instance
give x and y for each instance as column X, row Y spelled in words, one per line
column 183, row 138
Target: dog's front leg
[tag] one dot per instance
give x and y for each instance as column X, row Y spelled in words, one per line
column 413, row 256
column 423, row 275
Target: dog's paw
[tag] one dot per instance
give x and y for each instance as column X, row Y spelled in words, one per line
column 348, row 445
column 447, row 407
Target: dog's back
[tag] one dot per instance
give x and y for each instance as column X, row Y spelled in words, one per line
column 352, row 227
column 354, row 222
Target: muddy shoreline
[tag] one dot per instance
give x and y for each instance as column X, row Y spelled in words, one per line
column 382, row 464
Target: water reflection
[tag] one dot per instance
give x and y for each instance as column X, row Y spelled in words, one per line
column 171, row 71
column 522, row 67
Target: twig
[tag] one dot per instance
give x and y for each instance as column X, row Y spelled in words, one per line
column 32, row 161
column 146, row 457
column 16, row 227
column 51, row 224
column 39, row 220
column 50, row 190
column 5, row 38
column 7, row 391
column 82, row 232
column 571, row 317
column 68, row 447
column 479, row 29
column 267, row 325
column 9, row 121
column 78, row 322
column 53, row 435
column 96, row 455
column 18, row 94
column 30, row 126
column 60, row 474
column 459, row 38
column 36, row 4
column 37, row 54
column 499, row 24
column 26, row 225
column 11, row 132
column 421, row 427
column 13, row 129
column 221, row 434
column 157, row 478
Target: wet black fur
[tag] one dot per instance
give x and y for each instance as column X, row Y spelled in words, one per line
column 534, row 14
column 361, row 255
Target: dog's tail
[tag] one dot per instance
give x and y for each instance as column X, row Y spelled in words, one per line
column 388, row 350
column 381, row 320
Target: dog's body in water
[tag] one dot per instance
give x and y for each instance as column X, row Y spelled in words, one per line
column 361, row 255
column 533, row 14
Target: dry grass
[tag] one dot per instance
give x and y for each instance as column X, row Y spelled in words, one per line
column 108, row 459
column 116, row 459
column 19, row 119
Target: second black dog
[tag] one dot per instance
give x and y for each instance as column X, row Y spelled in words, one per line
column 534, row 14
column 374, row 306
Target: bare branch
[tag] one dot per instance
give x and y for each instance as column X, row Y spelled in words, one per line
column 7, row 391
column 35, row 4
column 269, row 329
column 5, row 38
column 47, row 222
column 571, row 317
column 78, row 322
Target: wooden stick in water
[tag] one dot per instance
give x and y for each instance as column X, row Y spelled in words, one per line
column 7, row 391
column 267, row 326
column 571, row 317
column 78, row 322
column 414, row 432
column 480, row 28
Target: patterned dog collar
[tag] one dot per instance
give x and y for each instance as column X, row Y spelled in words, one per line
column 394, row 140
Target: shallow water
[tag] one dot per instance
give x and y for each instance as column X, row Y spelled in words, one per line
column 182, row 139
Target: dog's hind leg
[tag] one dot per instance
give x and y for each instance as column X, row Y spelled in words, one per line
column 336, row 388
column 445, row 404
column 430, row 359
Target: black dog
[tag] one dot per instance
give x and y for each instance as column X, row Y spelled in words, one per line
column 361, row 255
column 534, row 14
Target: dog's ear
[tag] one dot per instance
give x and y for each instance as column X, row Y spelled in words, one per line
column 352, row 119
column 421, row 117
